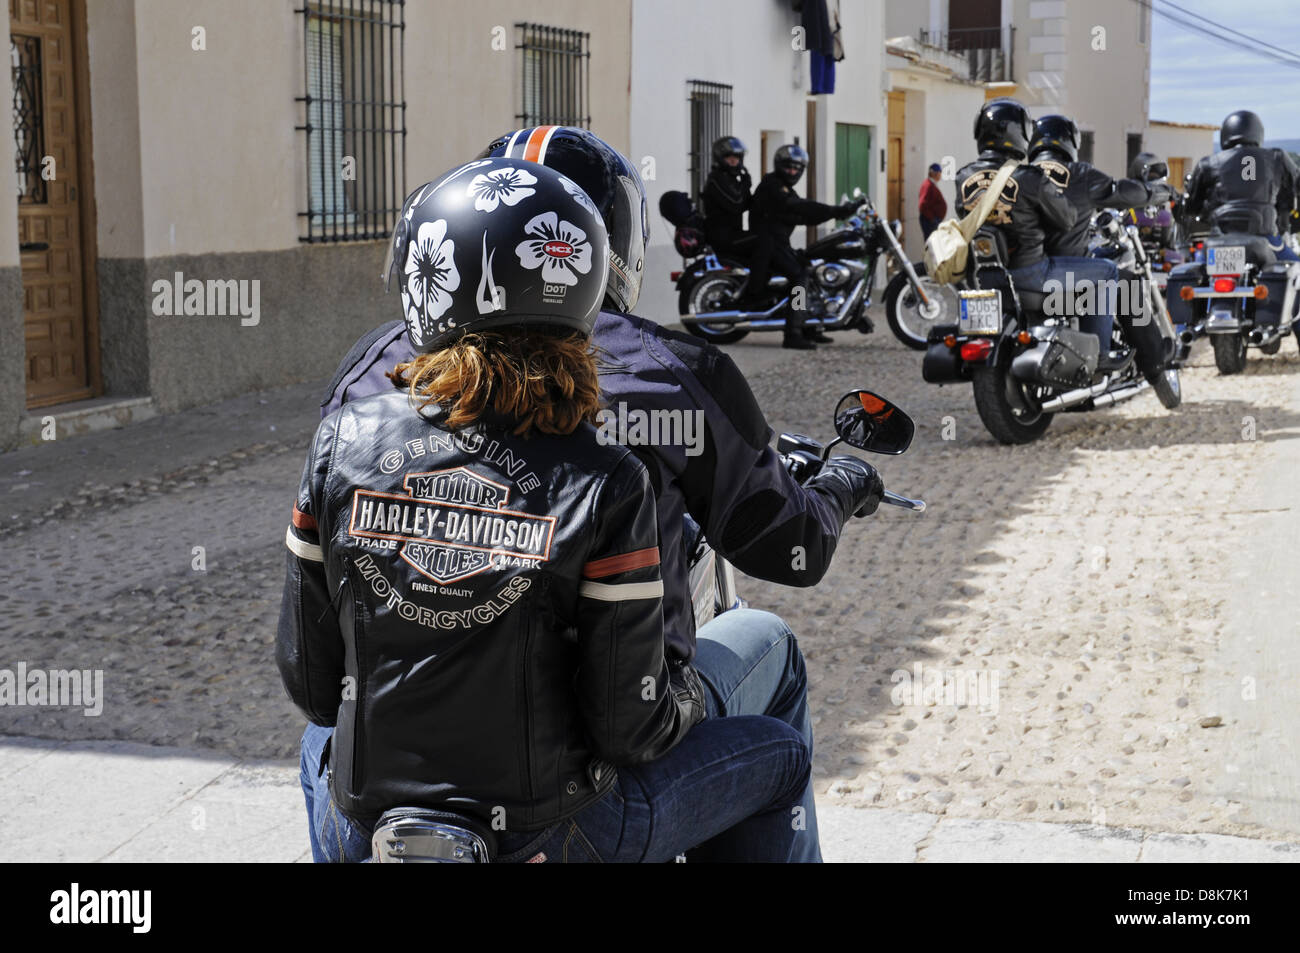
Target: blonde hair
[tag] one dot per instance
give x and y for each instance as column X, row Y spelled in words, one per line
column 541, row 379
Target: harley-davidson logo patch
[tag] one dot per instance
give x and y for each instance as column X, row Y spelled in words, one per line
column 452, row 524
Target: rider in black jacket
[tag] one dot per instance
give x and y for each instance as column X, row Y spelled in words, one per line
column 775, row 212
column 751, row 510
column 726, row 198
column 1246, row 188
column 1055, row 150
column 473, row 594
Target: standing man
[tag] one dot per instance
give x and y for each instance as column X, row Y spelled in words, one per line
column 934, row 207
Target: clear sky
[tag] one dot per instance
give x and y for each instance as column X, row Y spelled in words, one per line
column 1195, row 78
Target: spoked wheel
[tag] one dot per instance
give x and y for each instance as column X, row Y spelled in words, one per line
column 712, row 293
column 1011, row 410
column 1229, row 352
column 1168, row 387
column 910, row 318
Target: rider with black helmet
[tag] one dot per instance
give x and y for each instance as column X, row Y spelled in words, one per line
column 1244, row 187
column 1055, row 149
column 1030, row 213
column 775, row 212
column 737, row 491
column 500, row 652
column 726, row 198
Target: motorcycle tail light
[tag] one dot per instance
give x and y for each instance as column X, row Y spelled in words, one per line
column 674, row 275
column 1187, row 292
column 1167, row 266
column 1261, row 292
column 976, row 350
column 1224, row 285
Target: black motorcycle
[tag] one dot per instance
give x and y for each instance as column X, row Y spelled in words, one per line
column 842, row 266
column 1024, row 354
column 863, row 420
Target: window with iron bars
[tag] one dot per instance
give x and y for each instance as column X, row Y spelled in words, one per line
column 710, row 106
column 555, row 84
column 354, row 112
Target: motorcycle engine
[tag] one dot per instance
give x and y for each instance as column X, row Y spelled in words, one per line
column 831, row 275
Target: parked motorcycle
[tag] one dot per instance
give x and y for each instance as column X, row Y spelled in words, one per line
column 913, row 309
column 1238, row 295
column 843, row 269
column 1026, row 357
column 406, row 835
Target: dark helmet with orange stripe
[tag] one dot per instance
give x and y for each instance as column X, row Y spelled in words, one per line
column 609, row 179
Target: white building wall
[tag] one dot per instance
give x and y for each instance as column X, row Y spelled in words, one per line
column 1188, row 142
column 747, row 45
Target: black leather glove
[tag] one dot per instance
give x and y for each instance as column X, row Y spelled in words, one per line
column 847, row 210
column 858, row 479
column 689, row 692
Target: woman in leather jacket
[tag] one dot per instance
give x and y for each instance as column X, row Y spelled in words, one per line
column 473, row 599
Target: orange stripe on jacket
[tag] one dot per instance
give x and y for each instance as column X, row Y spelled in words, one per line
column 612, row 565
column 302, row 521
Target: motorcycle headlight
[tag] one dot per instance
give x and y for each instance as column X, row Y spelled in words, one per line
column 897, row 226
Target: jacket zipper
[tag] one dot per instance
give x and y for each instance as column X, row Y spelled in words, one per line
column 358, row 628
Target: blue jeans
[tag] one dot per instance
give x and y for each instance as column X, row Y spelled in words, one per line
column 1079, row 270
column 1281, row 249
column 736, row 788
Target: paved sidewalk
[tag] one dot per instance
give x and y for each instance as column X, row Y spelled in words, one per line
column 118, row 801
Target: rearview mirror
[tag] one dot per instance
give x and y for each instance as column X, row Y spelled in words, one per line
column 869, row 422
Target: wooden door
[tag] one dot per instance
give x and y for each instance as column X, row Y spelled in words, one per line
column 894, row 160
column 49, row 219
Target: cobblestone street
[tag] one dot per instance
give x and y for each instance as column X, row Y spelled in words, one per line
column 1125, row 584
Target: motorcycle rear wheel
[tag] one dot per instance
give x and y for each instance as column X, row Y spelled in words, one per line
column 706, row 295
column 1229, row 352
column 1006, row 411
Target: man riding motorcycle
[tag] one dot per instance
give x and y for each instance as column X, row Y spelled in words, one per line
column 499, row 653
column 1055, row 149
column 750, row 509
column 1030, row 211
column 774, row 213
column 1243, row 187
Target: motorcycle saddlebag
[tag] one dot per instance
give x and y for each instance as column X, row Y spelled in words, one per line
column 1189, row 275
column 941, row 364
column 688, row 241
column 1066, row 358
column 1268, row 312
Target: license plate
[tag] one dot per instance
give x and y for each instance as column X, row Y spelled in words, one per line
column 1225, row 260
column 981, row 312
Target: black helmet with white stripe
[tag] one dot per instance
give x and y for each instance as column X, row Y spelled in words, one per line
column 614, row 186
column 498, row 243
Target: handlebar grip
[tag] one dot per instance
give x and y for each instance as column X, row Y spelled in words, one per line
column 896, row 499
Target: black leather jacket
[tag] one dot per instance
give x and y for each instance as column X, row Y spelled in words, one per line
column 1087, row 189
column 1028, row 210
column 750, row 508
column 479, row 615
column 1244, row 189
column 777, row 208
column 726, row 198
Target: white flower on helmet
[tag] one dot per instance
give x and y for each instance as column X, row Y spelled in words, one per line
column 579, row 195
column 501, row 185
column 557, row 247
column 431, row 275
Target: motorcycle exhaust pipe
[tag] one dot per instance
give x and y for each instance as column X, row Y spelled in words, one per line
column 1263, row 336
column 1124, row 393
column 1187, row 335
column 740, row 319
column 1071, row 397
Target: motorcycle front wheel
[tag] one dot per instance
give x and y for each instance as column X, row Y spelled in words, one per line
column 909, row 318
column 712, row 293
column 1168, row 387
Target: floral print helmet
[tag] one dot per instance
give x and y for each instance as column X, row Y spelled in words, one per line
column 497, row 243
